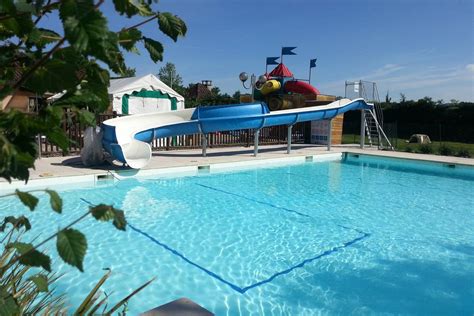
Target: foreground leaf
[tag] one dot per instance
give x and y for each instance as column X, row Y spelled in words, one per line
column 128, row 38
column 17, row 222
column 27, row 199
column 154, row 48
column 41, row 282
column 171, row 25
column 8, row 305
column 30, row 256
column 72, row 246
column 119, row 221
column 102, row 212
column 55, row 201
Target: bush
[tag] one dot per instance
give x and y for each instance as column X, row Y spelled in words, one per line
column 463, row 152
column 445, row 150
column 426, row 149
column 408, row 149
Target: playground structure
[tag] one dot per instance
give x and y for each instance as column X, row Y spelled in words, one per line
column 280, row 90
column 284, row 100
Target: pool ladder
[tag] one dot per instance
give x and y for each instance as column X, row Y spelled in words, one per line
column 374, row 130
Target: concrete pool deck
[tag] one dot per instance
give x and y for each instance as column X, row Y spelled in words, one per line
column 47, row 168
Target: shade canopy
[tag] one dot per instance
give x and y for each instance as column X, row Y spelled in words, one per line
column 143, row 94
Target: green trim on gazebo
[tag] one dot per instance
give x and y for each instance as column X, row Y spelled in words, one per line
column 148, row 94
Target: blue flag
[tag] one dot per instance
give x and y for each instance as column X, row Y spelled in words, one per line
column 312, row 63
column 272, row 60
column 287, row 51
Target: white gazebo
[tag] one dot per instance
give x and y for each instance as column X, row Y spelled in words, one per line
column 144, row 94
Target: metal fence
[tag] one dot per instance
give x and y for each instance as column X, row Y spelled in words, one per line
column 268, row 136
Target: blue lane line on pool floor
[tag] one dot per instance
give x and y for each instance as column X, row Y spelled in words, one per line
column 254, row 200
column 275, row 206
column 235, row 287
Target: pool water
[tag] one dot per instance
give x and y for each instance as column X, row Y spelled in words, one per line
column 358, row 236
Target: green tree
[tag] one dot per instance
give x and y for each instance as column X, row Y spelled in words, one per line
column 170, row 76
column 388, row 99
column 236, row 96
column 77, row 59
column 403, row 98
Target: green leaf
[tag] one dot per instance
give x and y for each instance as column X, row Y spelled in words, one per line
column 86, row 117
column 41, row 282
column 34, row 258
column 17, row 222
column 20, row 25
column 72, row 246
column 102, row 212
column 8, row 305
column 27, row 199
column 42, row 37
column 22, row 247
column 54, row 75
column 133, row 7
column 154, row 48
column 84, row 26
column 128, row 38
column 30, row 256
column 171, row 25
column 119, row 221
column 55, row 201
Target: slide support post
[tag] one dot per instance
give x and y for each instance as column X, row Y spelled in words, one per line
column 362, row 129
column 255, row 142
column 288, row 139
column 204, row 144
column 329, row 134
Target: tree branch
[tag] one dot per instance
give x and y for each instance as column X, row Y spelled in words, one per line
column 40, row 62
column 139, row 24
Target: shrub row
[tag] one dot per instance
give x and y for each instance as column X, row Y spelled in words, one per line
column 442, row 150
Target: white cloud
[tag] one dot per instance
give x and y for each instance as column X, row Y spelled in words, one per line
column 436, row 82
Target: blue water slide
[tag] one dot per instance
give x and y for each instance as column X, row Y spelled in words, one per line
column 127, row 138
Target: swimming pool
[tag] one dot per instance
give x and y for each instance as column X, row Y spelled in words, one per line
column 361, row 235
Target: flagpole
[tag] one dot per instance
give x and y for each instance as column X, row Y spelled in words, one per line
column 310, row 74
column 281, row 55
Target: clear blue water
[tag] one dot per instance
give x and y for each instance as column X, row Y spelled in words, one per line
column 360, row 236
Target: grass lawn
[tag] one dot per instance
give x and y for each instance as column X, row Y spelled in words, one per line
column 437, row 148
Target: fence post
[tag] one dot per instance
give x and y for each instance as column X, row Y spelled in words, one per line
column 248, row 137
column 204, row 144
column 40, row 147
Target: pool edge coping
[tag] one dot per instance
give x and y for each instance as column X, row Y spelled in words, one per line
column 93, row 179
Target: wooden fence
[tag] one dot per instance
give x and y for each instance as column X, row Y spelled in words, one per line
column 268, row 136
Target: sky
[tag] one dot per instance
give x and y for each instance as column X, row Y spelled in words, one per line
column 415, row 47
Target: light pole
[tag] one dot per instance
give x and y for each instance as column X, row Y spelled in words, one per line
column 254, row 83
